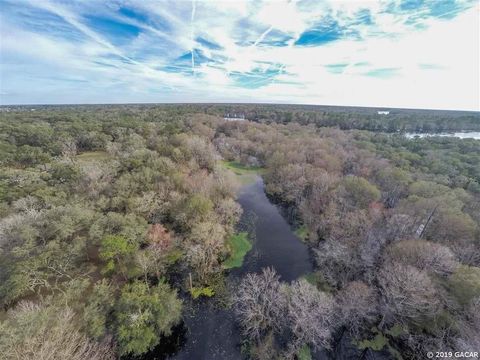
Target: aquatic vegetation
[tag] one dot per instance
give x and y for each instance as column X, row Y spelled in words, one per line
column 239, row 246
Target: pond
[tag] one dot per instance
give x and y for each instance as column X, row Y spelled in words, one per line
column 461, row 135
column 210, row 331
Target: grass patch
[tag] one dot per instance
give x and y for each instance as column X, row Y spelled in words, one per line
column 380, row 341
column 316, row 278
column 240, row 169
column 304, row 353
column 376, row 344
column 302, row 232
column 196, row 292
column 91, row 156
column 396, row 330
column 245, row 174
column 239, row 247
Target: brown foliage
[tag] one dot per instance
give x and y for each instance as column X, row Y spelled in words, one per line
column 159, row 237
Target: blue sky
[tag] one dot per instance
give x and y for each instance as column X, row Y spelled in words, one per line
column 392, row 53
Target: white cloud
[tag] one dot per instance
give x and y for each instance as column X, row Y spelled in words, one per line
column 139, row 70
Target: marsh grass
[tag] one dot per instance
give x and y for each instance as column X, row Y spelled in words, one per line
column 239, row 245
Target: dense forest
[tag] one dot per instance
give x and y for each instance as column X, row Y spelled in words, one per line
column 397, row 120
column 115, row 218
column 342, row 117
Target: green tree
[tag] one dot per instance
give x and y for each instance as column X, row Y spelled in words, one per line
column 64, row 173
column 358, row 192
column 192, row 210
column 29, row 156
column 143, row 314
column 117, row 251
column 99, row 307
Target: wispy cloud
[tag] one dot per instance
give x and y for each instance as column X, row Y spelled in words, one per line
column 383, row 73
column 386, row 53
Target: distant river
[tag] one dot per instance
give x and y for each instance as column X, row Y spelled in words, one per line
column 461, row 135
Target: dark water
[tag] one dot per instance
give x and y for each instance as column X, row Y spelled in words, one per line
column 209, row 331
column 275, row 244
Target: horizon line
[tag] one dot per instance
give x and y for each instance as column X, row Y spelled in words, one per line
column 239, row 103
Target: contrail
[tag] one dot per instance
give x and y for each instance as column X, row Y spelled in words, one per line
column 191, row 35
column 261, row 37
column 71, row 19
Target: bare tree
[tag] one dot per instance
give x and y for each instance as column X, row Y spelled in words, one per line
column 69, row 149
column 407, row 293
column 466, row 252
column 357, row 306
column 339, row 261
column 208, row 243
column 202, row 151
column 310, row 315
column 36, row 332
column 11, row 226
column 229, row 213
column 259, row 303
column 469, row 328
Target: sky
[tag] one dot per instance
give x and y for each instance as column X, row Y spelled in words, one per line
column 389, row 53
